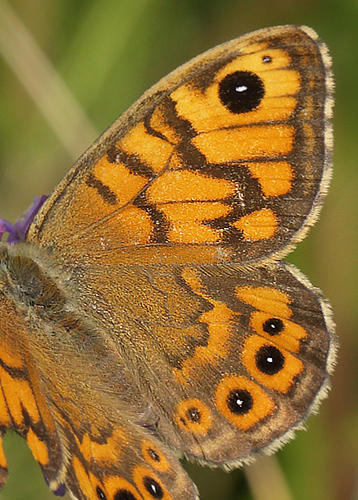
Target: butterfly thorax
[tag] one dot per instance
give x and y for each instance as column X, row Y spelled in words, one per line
column 30, row 286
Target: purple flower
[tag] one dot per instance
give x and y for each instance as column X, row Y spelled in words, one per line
column 61, row 489
column 17, row 231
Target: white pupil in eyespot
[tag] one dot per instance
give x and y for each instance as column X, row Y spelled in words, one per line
column 241, row 88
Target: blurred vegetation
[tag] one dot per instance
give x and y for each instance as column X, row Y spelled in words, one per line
column 108, row 53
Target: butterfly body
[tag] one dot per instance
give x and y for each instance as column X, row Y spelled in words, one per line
column 151, row 310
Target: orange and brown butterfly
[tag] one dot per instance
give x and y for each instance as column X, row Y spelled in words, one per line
column 146, row 313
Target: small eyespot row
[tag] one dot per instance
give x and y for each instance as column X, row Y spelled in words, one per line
column 239, row 399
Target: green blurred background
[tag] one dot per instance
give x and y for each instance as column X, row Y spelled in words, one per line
column 108, row 53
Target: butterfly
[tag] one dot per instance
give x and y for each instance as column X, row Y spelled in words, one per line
column 146, row 312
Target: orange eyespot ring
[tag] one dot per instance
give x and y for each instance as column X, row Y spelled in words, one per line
column 149, row 485
column 273, row 367
column 193, row 416
column 242, row 402
column 154, row 456
column 118, row 487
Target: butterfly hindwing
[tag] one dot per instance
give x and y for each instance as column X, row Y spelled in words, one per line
column 212, row 331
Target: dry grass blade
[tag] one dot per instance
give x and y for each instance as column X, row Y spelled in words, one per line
column 267, row 481
column 44, row 84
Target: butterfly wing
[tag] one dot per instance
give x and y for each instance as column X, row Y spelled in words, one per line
column 259, row 361
column 23, row 405
column 225, row 159
column 203, row 334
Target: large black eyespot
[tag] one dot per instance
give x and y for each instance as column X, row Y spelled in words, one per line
column 153, row 488
column 241, row 91
column 193, row 414
column 269, row 360
column 100, row 493
column 239, row 401
column 124, row 495
column 273, row 326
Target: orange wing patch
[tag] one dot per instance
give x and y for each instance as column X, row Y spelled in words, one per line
column 39, row 448
column 107, row 452
column 133, row 225
column 119, row 180
column 219, row 321
column 259, row 225
column 159, row 123
column 186, row 221
column 185, row 185
column 3, row 463
column 245, row 143
column 275, row 178
column 18, row 395
column 87, row 482
column 266, row 299
column 5, row 419
column 153, row 151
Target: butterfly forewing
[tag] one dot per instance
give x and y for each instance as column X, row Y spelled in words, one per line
column 224, row 160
